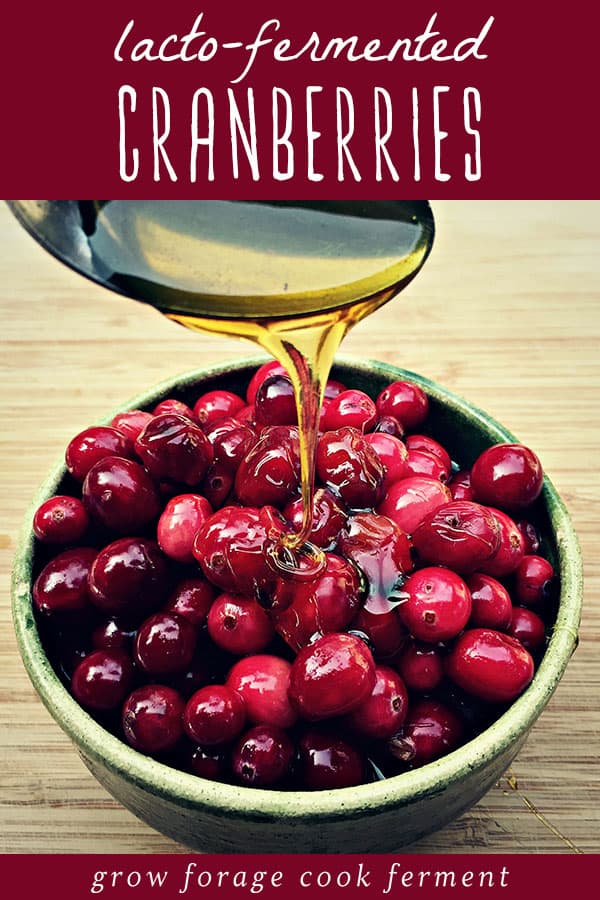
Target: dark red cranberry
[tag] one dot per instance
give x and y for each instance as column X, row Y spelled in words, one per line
column 218, row 484
column 215, row 405
column 129, row 578
column 460, row 534
column 410, row 500
column 209, row 762
column 510, row 550
column 509, row 476
column 527, row 627
column 437, row 604
column 92, row 445
column 120, row 495
column 192, row 599
column 460, row 485
column 263, row 681
column 60, row 520
column 103, row 679
column 431, row 729
column 171, row 405
column 174, row 449
column 332, row 676
column 327, row 762
column 333, row 389
column 214, row 715
column 152, row 718
column 491, row 606
column 533, row 581
column 346, row 463
column 231, row 441
column 165, row 644
column 429, row 445
column 490, row 665
column 247, row 416
column 352, row 409
column 392, row 454
column 267, row 369
column 421, row 462
column 329, row 517
column 379, row 548
column 406, row 401
column 383, row 713
column 421, row 667
column 275, row 402
column 179, row 523
column 389, row 425
column 270, row 473
column 131, row 423
column 201, row 671
column 110, row 635
column 62, row 585
column 379, row 620
column 531, row 537
column 262, row 757
column 239, row 625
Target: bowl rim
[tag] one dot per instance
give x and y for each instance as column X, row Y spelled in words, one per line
column 255, row 804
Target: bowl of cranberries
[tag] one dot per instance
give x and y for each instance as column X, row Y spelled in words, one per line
column 350, row 706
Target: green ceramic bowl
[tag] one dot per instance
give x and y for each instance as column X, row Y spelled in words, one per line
column 378, row 817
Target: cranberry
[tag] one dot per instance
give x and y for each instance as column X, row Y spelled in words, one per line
column 353, row 409
column 329, row 517
column 383, row 712
column 175, row 449
column 209, row 762
column 165, row 644
column 215, row 405
column 103, row 679
column 490, row 665
column 218, row 484
column 378, row 619
column 437, row 605
column 131, row 423
column 531, row 537
column 533, row 581
column 247, row 416
column 460, row 534
column 60, row 520
column 239, row 625
column 110, row 635
column 409, row 501
column 327, row 762
column 510, row 551
column 421, row 462
column 129, row 578
column 429, row 445
column 333, row 389
column 262, row 757
column 231, row 440
column 431, row 730
column 179, row 523
column 491, row 603
column 389, row 425
column 270, row 473
column 348, row 465
column 269, row 368
column 527, row 627
column 460, row 485
column 62, row 585
column 192, row 599
column 214, row 715
column 120, row 495
column 152, row 718
column 406, row 401
column 421, row 667
column 275, row 402
column 332, row 676
column 507, row 475
column 379, row 548
column 392, row 454
column 92, row 445
column 263, row 681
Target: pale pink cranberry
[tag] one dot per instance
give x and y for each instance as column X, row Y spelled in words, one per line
column 409, row 501
column 179, row 523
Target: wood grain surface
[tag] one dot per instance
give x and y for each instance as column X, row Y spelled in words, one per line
column 505, row 313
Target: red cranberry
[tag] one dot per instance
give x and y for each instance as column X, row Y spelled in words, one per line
column 510, row 551
column 527, row 627
column 263, row 682
column 247, row 416
column 269, row 368
column 490, row 665
column 531, row 537
column 409, row 501
column 421, row 462
column 129, row 578
column 192, row 599
column 389, row 425
column 270, row 473
column 152, row 718
column 275, row 402
column 379, row 548
column 392, row 454
column 437, row 605
column 231, row 441
column 102, row 680
column 460, row 534
column 429, row 445
column 179, row 523
column 174, row 449
column 62, row 585
column 533, row 581
column 214, row 715
column 406, row 401
column 171, row 405
column 239, row 625
column 347, row 464
column 60, row 520
column 421, row 667
column 262, row 757
column 218, row 484
column 131, row 423
column 352, row 409
column 110, row 635
column 329, row 517
column 332, row 676
column 491, row 603
column 507, row 475
column 165, row 644
column 92, row 445
column 327, row 762
column 215, row 405
column 383, row 713
column 378, row 619
column 460, row 485
column 431, row 730
column 120, row 495
column 209, row 762
column 333, row 389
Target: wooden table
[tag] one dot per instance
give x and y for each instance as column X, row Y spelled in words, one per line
column 506, row 313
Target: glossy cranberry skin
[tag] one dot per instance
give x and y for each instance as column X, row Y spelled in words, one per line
column 211, row 763
column 527, row 627
column 332, row 676
column 350, row 467
column 218, row 484
column 231, row 441
column 120, row 495
column 533, row 581
column 351, row 408
column 410, row 500
column 192, row 599
column 174, row 449
column 490, row 665
column 262, row 757
column 460, row 535
column 383, row 713
column 329, row 517
column 239, row 625
column 215, row 405
column 269, row 368
column 431, row 729
column 460, row 485
column 508, row 476
column 392, row 454
column 379, row 548
column 327, row 762
column 165, row 644
column 214, row 715
column 92, row 445
column 62, row 585
column 171, row 405
column 263, row 681
column 406, row 401
column 152, row 718
column 510, row 550
column 102, row 680
column 129, row 578
column 179, row 523
column 421, row 462
column 388, row 425
column 425, row 443
column 531, row 537
column 60, row 520
column 421, row 667
column 270, row 473
column 491, row 604
column 275, row 402
column 131, row 423
column 437, row 605
column 378, row 619
column 110, row 635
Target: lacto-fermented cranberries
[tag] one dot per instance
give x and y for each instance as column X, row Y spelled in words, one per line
column 162, row 606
